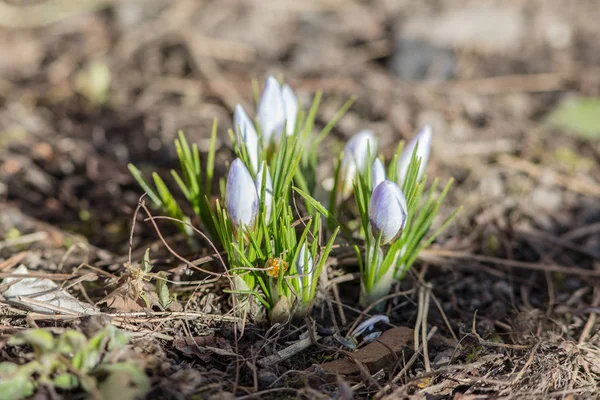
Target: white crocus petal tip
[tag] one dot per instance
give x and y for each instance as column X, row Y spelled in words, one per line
column 359, row 146
column 271, row 112
column 356, row 154
column 378, row 173
column 424, row 138
column 258, row 182
column 368, row 324
column 387, row 211
column 290, row 103
column 304, row 264
column 241, row 197
column 246, row 133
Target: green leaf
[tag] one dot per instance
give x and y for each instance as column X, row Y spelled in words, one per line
column 580, row 116
column 162, row 291
column 125, row 381
column 147, row 266
column 70, row 342
column 40, row 339
column 137, row 175
column 66, row 381
column 15, row 382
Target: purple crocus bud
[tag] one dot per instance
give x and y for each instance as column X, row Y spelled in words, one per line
column 271, row 111
column 246, row 133
column 290, row 103
column 258, row 182
column 423, row 138
column 356, row 154
column 378, row 173
column 241, row 197
column 387, row 211
column 304, row 265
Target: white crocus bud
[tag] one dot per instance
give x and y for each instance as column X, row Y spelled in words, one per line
column 356, row 153
column 304, row 265
column 368, row 325
column 271, row 111
column 246, row 133
column 258, row 182
column 387, row 211
column 378, row 173
column 423, row 150
column 241, row 197
column 290, row 103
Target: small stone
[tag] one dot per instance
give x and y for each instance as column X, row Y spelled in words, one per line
column 416, row 59
column 443, row 358
column 266, row 378
column 546, row 199
column 471, row 28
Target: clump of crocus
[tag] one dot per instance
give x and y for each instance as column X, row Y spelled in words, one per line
column 395, row 210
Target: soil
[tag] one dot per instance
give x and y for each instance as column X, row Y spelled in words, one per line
column 510, row 290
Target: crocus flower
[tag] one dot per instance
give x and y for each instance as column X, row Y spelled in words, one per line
column 368, row 325
column 246, row 133
column 290, row 103
column 258, row 182
column 278, row 107
column 378, row 173
column 241, row 196
column 387, row 211
column 304, row 265
column 423, row 138
column 356, row 153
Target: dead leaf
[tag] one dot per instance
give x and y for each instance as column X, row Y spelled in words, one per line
column 375, row 355
column 121, row 299
column 199, row 346
column 34, row 293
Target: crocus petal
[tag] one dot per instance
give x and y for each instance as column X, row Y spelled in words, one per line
column 271, row 112
column 387, row 211
column 356, row 153
column 304, row 265
column 246, row 133
column 241, row 197
column 290, row 103
column 368, row 324
column 423, row 150
column 258, row 182
column 378, row 173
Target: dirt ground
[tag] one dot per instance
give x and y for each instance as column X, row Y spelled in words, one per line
column 509, row 293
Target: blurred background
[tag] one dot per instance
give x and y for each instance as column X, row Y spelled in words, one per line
column 510, row 87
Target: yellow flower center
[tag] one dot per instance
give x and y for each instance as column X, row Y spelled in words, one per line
column 274, row 266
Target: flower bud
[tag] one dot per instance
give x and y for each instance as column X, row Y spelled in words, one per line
column 271, row 112
column 423, row 138
column 369, row 324
column 387, row 211
column 304, row 265
column 241, row 197
column 258, row 182
column 278, row 106
column 246, row 133
column 356, row 153
column 290, row 103
column 378, row 173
